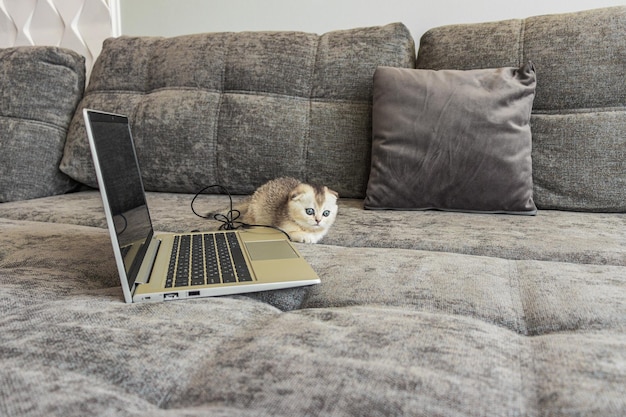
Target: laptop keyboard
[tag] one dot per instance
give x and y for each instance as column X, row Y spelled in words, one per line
column 204, row 259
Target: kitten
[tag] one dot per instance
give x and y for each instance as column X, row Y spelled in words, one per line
column 304, row 211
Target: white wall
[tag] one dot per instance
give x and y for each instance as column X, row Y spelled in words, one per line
column 176, row 17
column 80, row 25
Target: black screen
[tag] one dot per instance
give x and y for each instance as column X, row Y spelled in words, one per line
column 121, row 180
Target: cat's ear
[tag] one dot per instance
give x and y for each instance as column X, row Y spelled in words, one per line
column 298, row 192
column 296, row 195
column 333, row 192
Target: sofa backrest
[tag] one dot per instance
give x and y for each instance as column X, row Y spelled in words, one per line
column 579, row 115
column 40, row 87
column 238, row 109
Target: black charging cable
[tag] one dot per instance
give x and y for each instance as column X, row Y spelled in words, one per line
column 229, row 220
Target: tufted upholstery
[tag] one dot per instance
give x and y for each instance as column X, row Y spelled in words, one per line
column 579, row 113
column 239, row 109
column 39, row 90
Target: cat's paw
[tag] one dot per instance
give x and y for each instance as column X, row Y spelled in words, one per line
column 304, row 237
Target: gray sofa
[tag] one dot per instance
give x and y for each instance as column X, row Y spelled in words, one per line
column 443, row 312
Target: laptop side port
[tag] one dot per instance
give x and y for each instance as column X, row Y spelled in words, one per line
column 170, row 296
column 193, row 293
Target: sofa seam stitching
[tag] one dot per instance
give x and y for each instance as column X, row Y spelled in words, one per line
column 225, row 92
column 521, row 43
column 522, row 332
column 307, row 140
column 37, row 122
column 218, row 112
column 582, row 110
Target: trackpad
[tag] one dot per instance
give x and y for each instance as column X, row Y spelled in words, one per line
column 273, row 249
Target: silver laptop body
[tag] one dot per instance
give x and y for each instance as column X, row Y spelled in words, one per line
column 167, row 266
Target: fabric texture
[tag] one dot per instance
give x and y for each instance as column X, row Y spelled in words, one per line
column 39, row 90
column 579, row 113
column 239, row 109
column 452, row 140
column 419, row 313
column 393, row 332
column 551, row 235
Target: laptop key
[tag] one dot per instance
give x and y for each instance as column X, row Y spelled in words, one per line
column 171, row 268
column 241, row 268
column 197, row 260
column 210, row 255
column 184, row 255
column 226, row 267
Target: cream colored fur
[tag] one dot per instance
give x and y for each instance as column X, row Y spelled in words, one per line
column 304, row 211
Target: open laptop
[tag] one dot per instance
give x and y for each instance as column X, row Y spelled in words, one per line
column 158, row 267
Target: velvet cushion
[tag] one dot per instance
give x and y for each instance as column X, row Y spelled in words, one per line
column 452, row 140
column 40, row 87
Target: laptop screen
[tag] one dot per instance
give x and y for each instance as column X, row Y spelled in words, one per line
column 123, row 187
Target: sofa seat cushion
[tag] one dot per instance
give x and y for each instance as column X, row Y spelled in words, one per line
column 170, row 212
column 437, row 338
column 239, row 109
column 99, row 246
column 527, row 297
column 579, row 112
column 551, row 235
column 39, row 90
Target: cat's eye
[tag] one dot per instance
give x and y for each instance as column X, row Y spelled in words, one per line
column 310, row 211
column 326, row 213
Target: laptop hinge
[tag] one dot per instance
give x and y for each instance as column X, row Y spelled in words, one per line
column 143, row 276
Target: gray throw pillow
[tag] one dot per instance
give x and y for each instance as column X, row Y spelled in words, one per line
column 452, row 140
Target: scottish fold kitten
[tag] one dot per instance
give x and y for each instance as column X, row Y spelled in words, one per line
column 304, row 211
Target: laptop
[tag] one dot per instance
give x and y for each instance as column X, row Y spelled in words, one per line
column 168, row 266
